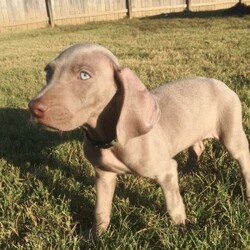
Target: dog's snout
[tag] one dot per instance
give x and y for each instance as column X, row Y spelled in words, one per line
column 38, row 108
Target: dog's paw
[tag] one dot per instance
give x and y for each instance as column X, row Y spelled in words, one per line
column 94, row 232
column 184, row 228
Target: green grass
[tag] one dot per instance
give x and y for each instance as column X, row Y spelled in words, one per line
column 47, row 193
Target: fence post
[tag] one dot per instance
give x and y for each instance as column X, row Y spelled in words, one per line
column 50, row 13
column 188, row 2
column 129, row 7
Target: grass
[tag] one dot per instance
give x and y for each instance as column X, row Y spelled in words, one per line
column 47, row 191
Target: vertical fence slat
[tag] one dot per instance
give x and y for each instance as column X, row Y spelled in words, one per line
column 50, row 13
column 129, row 8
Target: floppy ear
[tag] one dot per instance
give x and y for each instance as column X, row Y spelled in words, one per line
column 139, row 110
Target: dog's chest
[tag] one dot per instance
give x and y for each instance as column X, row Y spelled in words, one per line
column 111, row 163
column 105, row 159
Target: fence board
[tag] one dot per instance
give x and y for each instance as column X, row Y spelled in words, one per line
column 23, row 14
column 81, row 11
column 154, row 7
column 200, row 5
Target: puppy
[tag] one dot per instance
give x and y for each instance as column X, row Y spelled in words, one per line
column 129, row 129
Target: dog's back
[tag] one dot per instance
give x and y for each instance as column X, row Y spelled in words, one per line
column 193, row 109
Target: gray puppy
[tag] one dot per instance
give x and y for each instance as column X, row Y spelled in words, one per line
column 129, row 129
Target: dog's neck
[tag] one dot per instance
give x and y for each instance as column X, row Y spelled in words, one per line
column 103, row 133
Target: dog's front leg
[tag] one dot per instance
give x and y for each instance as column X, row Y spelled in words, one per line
column 169, row 184
column 105, row 187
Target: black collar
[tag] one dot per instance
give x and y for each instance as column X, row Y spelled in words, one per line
column 102, row 144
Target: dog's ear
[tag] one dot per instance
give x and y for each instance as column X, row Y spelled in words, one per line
column 139, row 110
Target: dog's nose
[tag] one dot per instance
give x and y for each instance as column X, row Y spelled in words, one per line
column 38, row 108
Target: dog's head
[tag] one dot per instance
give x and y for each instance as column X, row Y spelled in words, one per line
column 86, row 83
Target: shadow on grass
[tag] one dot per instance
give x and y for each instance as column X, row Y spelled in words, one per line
column 28, row 148
column 240, row 9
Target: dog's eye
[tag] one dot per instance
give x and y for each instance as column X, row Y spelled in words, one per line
column 49, row 74
column 84, row 75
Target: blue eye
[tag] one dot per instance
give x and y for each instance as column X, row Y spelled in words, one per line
column 84, row 75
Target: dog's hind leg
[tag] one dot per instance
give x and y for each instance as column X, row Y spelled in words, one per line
column 235, row 141
column 237, row 146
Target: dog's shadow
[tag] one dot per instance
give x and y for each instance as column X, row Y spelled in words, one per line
column 29, row 148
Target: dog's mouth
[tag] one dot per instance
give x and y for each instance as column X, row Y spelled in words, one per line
column 43, row 125
column 49, row 128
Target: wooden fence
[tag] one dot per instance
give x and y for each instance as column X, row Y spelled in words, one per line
column 27, row 14
column 22, row 14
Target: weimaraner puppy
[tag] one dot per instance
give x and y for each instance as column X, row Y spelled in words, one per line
column 130, row 129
